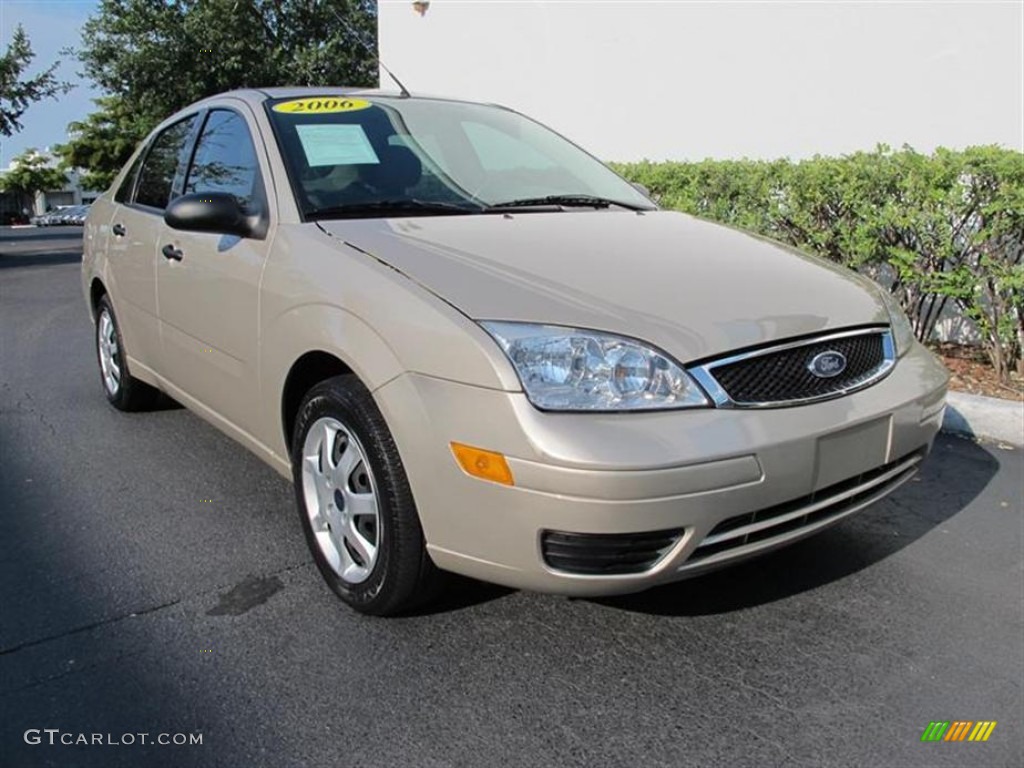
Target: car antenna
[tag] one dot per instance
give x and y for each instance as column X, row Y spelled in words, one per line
column 404, row 91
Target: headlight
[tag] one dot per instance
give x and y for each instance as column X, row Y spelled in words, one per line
column 565, row 369
column 902, row 330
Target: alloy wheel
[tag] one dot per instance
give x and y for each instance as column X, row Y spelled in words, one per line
column 340, row 497
column 110, row 352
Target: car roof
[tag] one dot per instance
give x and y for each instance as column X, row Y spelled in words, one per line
column 256, row 96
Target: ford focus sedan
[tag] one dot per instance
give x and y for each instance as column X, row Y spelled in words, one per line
column 474, row 348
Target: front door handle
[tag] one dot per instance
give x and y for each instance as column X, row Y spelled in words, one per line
column 119, row 230
column 171, row 253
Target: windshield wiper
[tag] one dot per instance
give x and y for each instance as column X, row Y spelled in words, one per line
column 385, row 207
column 576, row 201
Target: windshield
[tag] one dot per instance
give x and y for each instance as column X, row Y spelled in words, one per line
column 381, row 156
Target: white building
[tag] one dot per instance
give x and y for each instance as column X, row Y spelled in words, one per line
column 71, row 194
column 685, row 80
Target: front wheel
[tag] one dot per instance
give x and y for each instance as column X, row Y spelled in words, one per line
column 355, row 504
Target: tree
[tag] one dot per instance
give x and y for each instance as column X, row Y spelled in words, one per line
column 991, row 207
column 102, row 143
column 941, row 230
column 32, row 172
column 17, row 94
column 153, row 57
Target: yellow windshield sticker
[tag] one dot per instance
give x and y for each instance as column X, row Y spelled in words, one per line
column 322, row 105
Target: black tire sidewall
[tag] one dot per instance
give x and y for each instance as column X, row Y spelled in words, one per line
column 346, row 400
column 119, row 399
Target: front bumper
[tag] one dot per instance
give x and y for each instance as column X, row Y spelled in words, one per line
column 715, row 485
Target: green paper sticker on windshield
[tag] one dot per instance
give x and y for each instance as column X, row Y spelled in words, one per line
column 322, row 105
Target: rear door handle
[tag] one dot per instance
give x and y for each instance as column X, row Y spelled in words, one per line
column 119, row 230
column 171, row 253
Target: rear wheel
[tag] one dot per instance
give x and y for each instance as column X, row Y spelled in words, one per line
column 124, row 391
column 355, row 504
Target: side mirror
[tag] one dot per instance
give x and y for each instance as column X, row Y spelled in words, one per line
column 216, row 212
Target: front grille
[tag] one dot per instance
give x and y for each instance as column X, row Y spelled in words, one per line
column 606, row 554
column 783, row 375
column 828, row 503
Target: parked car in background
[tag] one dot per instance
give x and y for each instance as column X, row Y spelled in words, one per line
column 77, row 215
column 55, row 216
column 473, row 347
column 74, row 214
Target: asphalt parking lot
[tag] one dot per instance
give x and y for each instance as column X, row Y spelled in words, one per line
column 153, row 579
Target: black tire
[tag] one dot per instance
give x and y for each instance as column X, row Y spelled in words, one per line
column 129, row 394
column 403, row 575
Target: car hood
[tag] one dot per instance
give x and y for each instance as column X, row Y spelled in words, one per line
column 693, row 288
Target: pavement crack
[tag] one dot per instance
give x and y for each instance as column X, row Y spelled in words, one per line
column 30, row 408
column 87, row 627
column 68, row 672
column 143, row 612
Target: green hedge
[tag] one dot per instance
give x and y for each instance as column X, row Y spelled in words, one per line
column 939, row 228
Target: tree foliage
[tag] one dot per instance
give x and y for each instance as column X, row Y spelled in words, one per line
column 18, row 92
column 937, row 229
column 102, row 143
column 32, row 172
column 153, row 57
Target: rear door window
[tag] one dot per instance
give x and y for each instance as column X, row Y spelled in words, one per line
column 124, row 192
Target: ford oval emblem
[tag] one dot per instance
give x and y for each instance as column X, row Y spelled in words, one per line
column 827, row 364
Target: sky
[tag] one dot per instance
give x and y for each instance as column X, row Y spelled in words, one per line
column 51, row 25
column 689, row 79
column 759, row 78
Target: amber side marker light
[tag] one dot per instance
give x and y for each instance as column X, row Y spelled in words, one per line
column 486, row 465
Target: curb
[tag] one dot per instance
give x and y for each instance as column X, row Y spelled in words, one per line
column 984, row 418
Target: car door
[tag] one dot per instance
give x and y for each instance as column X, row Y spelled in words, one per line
column 208, row 284
column 134, row 231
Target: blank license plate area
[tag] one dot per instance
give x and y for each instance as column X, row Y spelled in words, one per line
column 846, row 454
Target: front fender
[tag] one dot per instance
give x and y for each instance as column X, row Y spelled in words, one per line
column 318, row 328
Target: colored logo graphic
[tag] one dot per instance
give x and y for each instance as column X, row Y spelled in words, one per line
column 958, row 730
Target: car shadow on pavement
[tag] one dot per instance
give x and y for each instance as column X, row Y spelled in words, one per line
column 74, row 656
column 459, row 592
column 954, row 474
column 47, row 259
column 164, row 402
column 35, row 234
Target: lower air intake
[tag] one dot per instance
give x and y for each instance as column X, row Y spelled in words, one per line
column 606, row 554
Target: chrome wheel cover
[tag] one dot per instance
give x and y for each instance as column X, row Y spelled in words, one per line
column 110, row 352
column 340, row 497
